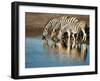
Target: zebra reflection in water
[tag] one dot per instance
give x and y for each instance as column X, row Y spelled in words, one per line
column 75, row 52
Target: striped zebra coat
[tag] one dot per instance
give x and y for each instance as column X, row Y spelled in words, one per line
column 58, row 26
column 73, row 28
column 70, row 25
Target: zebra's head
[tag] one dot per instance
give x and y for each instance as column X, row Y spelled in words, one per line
column 46, row 31
column 54, row 34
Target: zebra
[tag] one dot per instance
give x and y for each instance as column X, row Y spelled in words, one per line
column 50, row 26
column 74, row 28
column 70, row 24
column 64, row 20
column 48, row 29
column 77, row 27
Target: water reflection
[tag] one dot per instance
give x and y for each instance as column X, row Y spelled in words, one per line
column 74, row 51
column 37, row 55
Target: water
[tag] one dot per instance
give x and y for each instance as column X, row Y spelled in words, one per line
column 38, row 56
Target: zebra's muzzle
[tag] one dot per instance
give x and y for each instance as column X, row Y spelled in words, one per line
column 43, row 37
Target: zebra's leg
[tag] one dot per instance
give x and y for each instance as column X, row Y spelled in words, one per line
column 76, row 36
column 73, row 35
column 68, row 43
column 69, row 33
column 73, row 43
column 84, row 35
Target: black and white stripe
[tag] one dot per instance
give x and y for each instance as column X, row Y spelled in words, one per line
column 75, row 28
column 63, row 20
column 69, row 24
